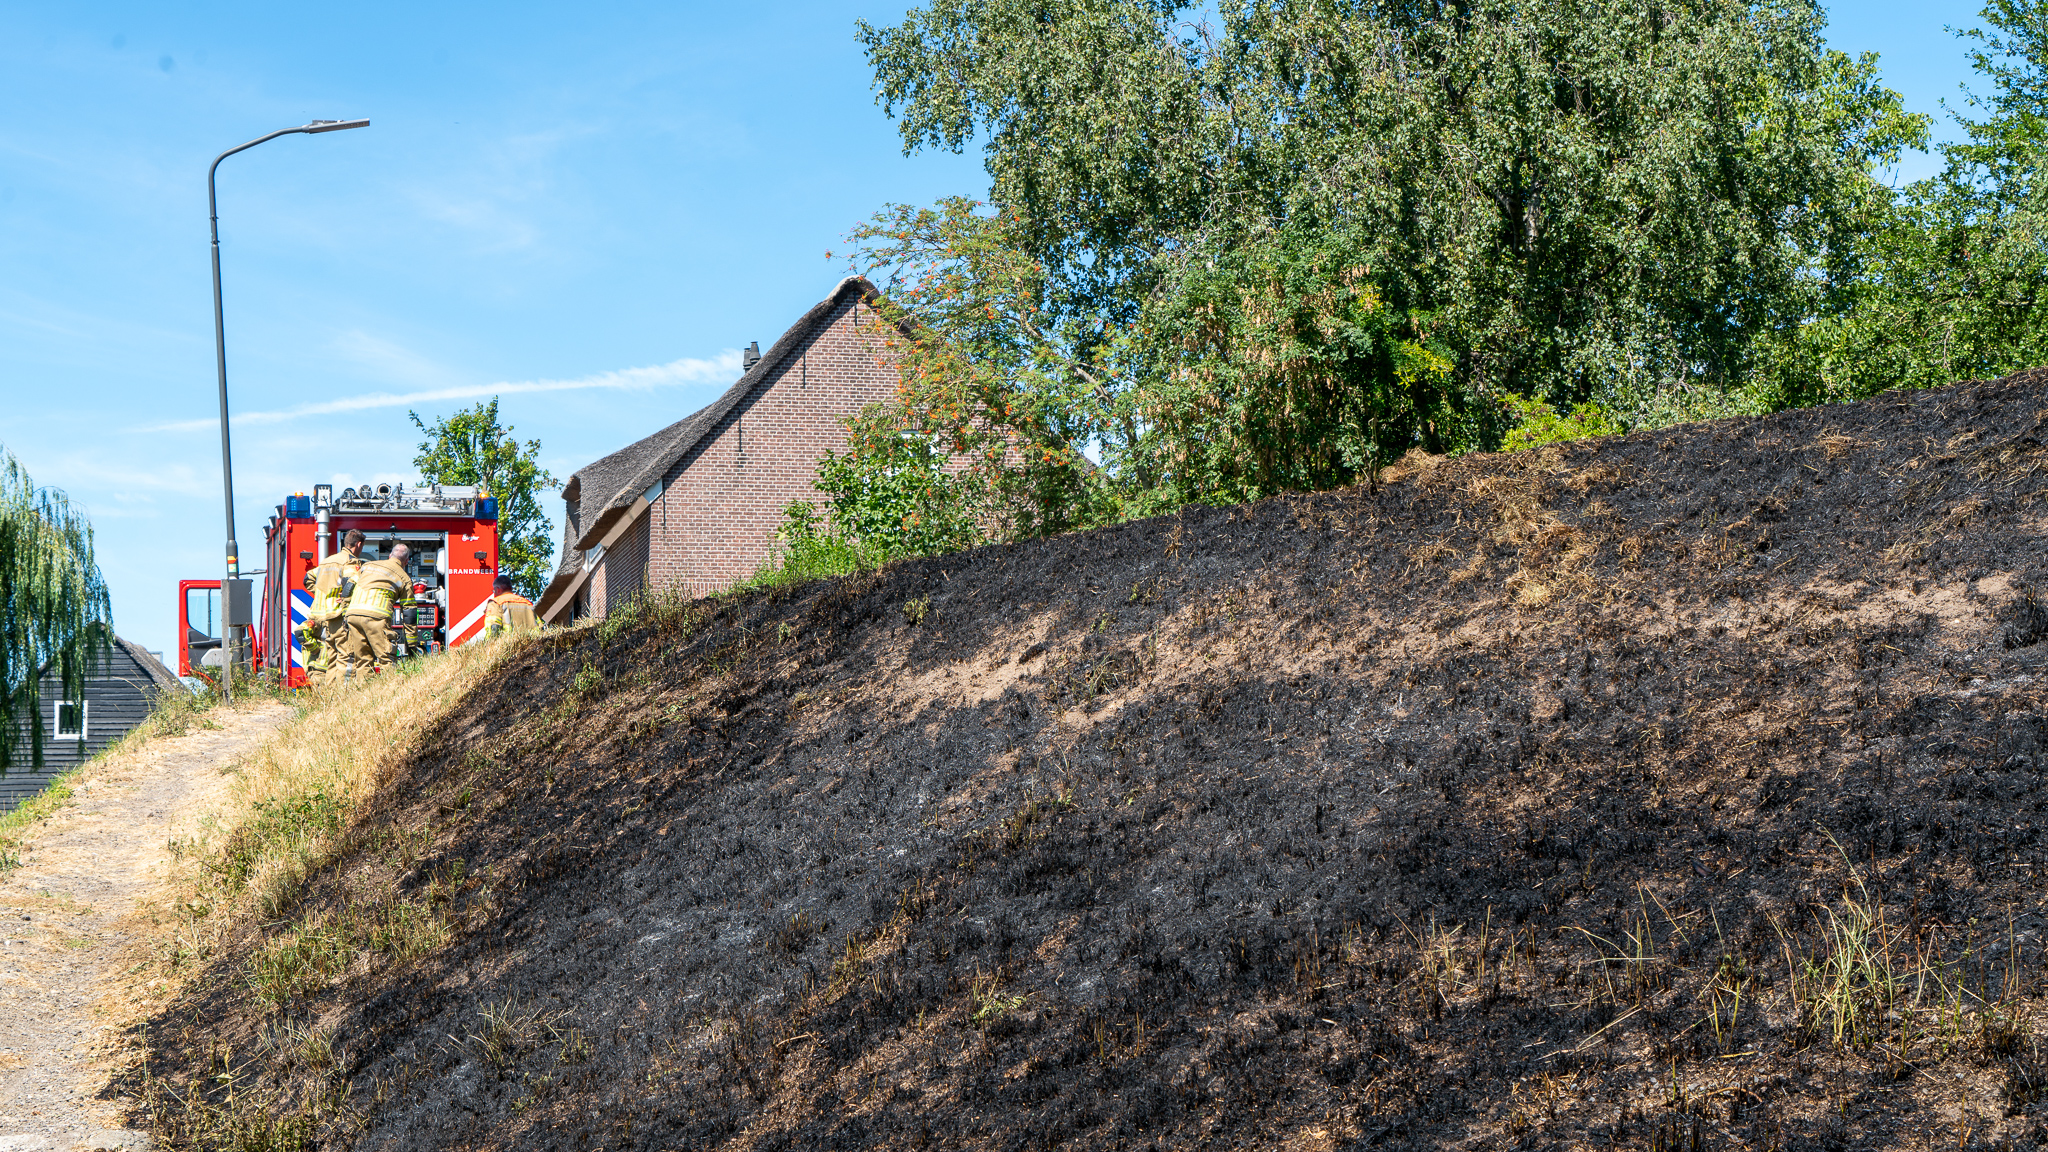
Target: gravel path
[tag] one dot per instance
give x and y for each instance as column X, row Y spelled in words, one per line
column 61, row 930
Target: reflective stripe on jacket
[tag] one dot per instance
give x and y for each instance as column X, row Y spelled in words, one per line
column 371, row 600
column 326, row 606
column 378, row 587
column 328, row 601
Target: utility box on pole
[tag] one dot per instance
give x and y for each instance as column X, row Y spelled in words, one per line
column 237, row 614
column 236, row 609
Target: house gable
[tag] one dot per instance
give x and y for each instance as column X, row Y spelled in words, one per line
column 695, row 505
column 715, row 520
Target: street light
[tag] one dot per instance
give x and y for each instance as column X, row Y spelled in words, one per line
column 220, row 351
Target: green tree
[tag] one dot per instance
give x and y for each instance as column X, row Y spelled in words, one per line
column 1271, row 250
column 894, row 492
column 1285, row 365
column 1951, row 277
column 1539, row 424
column 998, row 393
column 471, row 447
column 54, row 610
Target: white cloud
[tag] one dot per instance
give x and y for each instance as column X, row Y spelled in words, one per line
column 102, row 477
column 507, row 230
column 722, row 368
column 394, row 362
column 505, row 176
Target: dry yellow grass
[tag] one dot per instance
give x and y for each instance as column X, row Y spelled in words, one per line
column 1553, row 555
column 292, row 806
column 291, row 799
column 345, row 739
column 1415, row 462
column 1837, row 445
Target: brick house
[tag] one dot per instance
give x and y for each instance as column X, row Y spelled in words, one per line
column 696, row 504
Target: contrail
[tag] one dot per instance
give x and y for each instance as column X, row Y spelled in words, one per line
column 689, row 370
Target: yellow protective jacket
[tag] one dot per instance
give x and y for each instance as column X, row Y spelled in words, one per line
column 379, row 587
column 318, row 654
column 508, row 612
column 328, row 602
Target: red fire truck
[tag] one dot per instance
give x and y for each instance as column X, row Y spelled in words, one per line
column 451, row 530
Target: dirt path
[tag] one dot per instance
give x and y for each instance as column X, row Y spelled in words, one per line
column 61, row 933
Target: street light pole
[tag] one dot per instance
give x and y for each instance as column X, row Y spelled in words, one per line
column 220, row 353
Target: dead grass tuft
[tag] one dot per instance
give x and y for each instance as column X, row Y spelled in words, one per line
column 1415, row 462
column 1431, row 553
column 1554, row 555
column 1586, row 478
column 1963, row 513
column 1836, row 445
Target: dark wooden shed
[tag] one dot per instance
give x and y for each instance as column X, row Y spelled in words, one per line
column 118, row 696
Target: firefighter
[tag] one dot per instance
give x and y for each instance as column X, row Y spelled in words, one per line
column 319, row 656
column 506, row 610
column 380, row 585
column 334, row 580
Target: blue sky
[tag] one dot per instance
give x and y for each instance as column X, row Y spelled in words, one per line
column 587, row 209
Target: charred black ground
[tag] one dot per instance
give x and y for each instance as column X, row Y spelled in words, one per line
column 1545, row 800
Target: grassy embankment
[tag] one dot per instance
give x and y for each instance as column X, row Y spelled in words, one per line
column 288, row 809
column 292, row 796
column 290, row 812
column 1672, row 791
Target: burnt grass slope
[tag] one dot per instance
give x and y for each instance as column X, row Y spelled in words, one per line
column 1680, row 790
